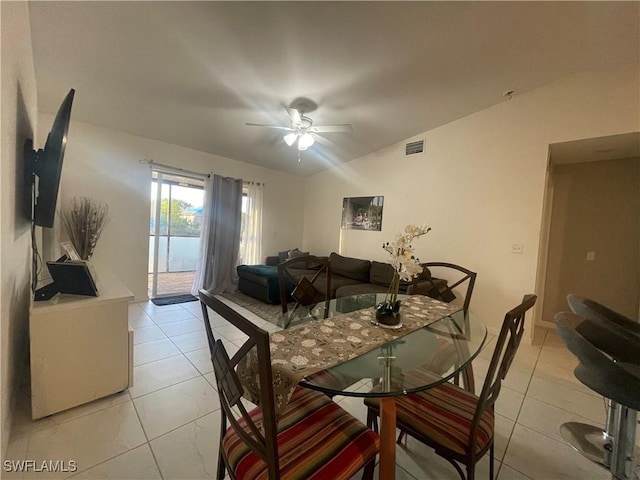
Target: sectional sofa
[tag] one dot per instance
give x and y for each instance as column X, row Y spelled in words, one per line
column 349, row 276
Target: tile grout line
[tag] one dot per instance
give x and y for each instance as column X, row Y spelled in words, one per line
column 181, row 353
column 148, row 443
column 515, row 423
column 75, row 474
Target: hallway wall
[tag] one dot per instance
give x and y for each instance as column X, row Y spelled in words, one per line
column 596, row 208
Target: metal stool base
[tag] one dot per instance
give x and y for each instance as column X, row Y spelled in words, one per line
column 590, row 441
column 594, row 444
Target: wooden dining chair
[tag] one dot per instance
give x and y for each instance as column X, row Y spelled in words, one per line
column 313, row 438
column 463, row 280
column 305, row 279
column 457, row 277
column 457, row 424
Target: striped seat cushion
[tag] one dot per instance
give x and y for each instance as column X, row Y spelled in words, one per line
column 444, row 414
column 316, row 440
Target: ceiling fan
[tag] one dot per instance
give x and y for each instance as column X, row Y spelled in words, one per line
column 302, row 132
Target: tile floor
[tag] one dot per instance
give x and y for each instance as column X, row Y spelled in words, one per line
column 166, row 426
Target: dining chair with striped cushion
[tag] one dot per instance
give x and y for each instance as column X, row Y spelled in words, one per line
column 457, row 424
column 462, row 280
column 459, row 278
column 313, row 438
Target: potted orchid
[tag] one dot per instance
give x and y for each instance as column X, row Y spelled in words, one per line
column 405, row 267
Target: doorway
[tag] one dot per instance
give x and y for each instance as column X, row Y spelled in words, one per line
column 590, row 242
column 174, row 232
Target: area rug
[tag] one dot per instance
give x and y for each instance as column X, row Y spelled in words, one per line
column 266, row 311
column 172, row 300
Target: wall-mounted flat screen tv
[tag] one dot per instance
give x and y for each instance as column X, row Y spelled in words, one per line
column 44, row 167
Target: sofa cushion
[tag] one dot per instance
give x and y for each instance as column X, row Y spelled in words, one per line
column 337, row 281
column 353, row 268
column 382, row 274
column 299, row 273
column 362, row 288
column 359, row 289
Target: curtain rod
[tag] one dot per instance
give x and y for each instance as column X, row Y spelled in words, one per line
column 153, row 163
column 176, row 169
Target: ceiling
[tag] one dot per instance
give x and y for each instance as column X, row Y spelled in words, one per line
column 613, row 147
column 192, row 73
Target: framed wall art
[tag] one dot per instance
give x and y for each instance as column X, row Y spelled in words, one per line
column 362, row 213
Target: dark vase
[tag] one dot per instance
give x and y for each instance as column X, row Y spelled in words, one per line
column 388, row 314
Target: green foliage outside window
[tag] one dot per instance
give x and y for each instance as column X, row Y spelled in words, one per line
column 184, row 222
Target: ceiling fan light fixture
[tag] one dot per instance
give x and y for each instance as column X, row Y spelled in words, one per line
column 305, row 141
column 290, row 138
column 301, row 134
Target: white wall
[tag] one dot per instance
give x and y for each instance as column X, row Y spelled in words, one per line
column 19, row 117
column 480, row 184
column 105, row 164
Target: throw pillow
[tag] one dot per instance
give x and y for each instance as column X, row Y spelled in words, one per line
column 304, row 292
column 282, row 256
column 296, row 253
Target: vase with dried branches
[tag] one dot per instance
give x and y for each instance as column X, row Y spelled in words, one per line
column 84, row 219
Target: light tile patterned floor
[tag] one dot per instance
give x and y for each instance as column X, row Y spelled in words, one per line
column 166, row 426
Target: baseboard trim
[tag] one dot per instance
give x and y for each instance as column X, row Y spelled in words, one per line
column 546, row 324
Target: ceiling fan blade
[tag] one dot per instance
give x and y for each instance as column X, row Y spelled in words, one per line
column 294, row 114
column 344, row 127
column 323, row 141
column 279, row 127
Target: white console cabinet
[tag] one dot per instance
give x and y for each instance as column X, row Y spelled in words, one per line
column 81, row 348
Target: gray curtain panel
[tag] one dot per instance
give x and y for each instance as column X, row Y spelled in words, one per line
column 220, row 236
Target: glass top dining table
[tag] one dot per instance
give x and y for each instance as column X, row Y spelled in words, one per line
column 414, row 362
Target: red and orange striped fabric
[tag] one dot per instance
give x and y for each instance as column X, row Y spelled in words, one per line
column 444, row 414
column 316, row 440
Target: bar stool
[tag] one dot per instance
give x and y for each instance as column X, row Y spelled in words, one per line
column 617, row 381
column 604, row 316
column 618, row 337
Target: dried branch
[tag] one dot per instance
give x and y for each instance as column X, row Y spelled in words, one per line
column 84, row 219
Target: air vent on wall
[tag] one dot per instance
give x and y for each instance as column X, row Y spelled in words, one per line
column 413, row 148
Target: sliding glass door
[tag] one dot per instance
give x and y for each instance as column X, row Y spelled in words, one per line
column 174, row 232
